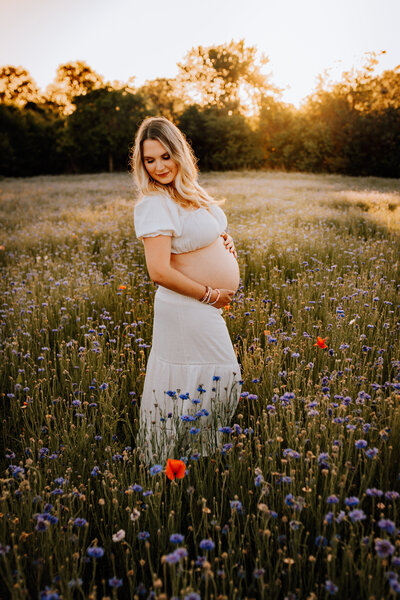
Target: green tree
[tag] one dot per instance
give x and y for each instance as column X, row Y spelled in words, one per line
column 101, row 130
column 220, row 141
column 164, row 97
column 28, row 144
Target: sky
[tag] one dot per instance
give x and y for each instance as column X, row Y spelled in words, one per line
column 145, row 39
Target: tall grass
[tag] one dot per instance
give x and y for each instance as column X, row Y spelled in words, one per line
column 301, row 499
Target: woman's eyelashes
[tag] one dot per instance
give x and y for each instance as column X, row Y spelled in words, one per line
column 150, row 160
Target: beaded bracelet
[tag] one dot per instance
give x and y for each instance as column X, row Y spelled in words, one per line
column 216, row 299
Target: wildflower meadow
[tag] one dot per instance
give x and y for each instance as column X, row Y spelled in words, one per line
column 301, row 499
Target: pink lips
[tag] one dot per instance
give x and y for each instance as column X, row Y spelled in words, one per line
column 163, row 174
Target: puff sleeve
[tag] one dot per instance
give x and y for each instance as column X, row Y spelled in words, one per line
column 156, row 215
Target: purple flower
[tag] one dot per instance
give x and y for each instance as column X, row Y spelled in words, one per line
column 181, row 552
column 341, row 517
column 329, row 517
column 387, row 525
column 4, row 549
column 143, row 535
column 80, row 522
column 171, row 558
column 176, row 538
column 392, row 495
column 361, row 443
column 49, row 594
column 357, row 515
column 207, row 544
column 371, row 452
column 114, row 582
column 383, row 548
column 374, row 492
column 257, row 573
column 320, row 540
column 330, row 587
column 236, row 505
column 351, row 501
column 156, row 469
column 95, row 551
column 332, row 499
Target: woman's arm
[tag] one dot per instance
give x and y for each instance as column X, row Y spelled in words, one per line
column 158, row 259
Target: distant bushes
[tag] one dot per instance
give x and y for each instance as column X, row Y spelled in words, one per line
column 330, row 134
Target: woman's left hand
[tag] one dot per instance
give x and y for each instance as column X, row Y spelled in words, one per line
column 228, row 241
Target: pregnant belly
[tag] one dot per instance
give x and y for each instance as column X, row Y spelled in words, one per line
column 213, row 265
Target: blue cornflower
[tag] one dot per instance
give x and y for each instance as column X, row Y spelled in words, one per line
column 351, row 501
column 156, row 469
column 383, row 548
column 137, row 488
column 357, row 515
column 95, row 551
column 115, row 582
column 258, row 480
column 361, row 443
column 103, row 386
column 49, row 594
column 176, row 538
column 387, row 525
column 171, row 558
column 257, row 573
column 207, row 544
column 330, row 587
column 225, row 429
column 194, row 430
column 371, row 452
column 143, row 535
column 320, row 540
column 236, row 505
column 329, row 517
column 374, row 492
column 80, row 522
column 216, row 377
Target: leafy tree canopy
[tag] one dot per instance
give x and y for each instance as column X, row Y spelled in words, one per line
column 226, row 76
column 17, row 86
column 72, row 79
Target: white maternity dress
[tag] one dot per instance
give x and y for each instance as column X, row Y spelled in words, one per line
column 192, row 382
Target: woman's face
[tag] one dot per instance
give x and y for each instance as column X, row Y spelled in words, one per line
column 158, row 163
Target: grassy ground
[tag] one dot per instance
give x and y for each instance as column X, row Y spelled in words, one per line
column 302, row 498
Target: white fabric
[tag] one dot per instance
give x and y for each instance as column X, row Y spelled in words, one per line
column 158, row 214
column 191, row 345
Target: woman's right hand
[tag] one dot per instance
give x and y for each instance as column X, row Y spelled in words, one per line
column 224, row 299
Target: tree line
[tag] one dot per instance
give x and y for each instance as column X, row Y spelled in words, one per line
column 228, row 108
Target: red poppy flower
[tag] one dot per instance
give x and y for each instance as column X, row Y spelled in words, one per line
column 321, row 342
column 175, row 468
column 122, row 287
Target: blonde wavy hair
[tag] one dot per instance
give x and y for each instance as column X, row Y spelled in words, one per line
column 185, row 189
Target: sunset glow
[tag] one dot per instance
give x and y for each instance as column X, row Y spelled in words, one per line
column 125, row 38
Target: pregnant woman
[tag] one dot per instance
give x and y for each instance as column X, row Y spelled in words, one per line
column 192, row 382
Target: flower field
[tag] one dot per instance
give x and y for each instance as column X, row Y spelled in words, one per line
column 302, row 498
